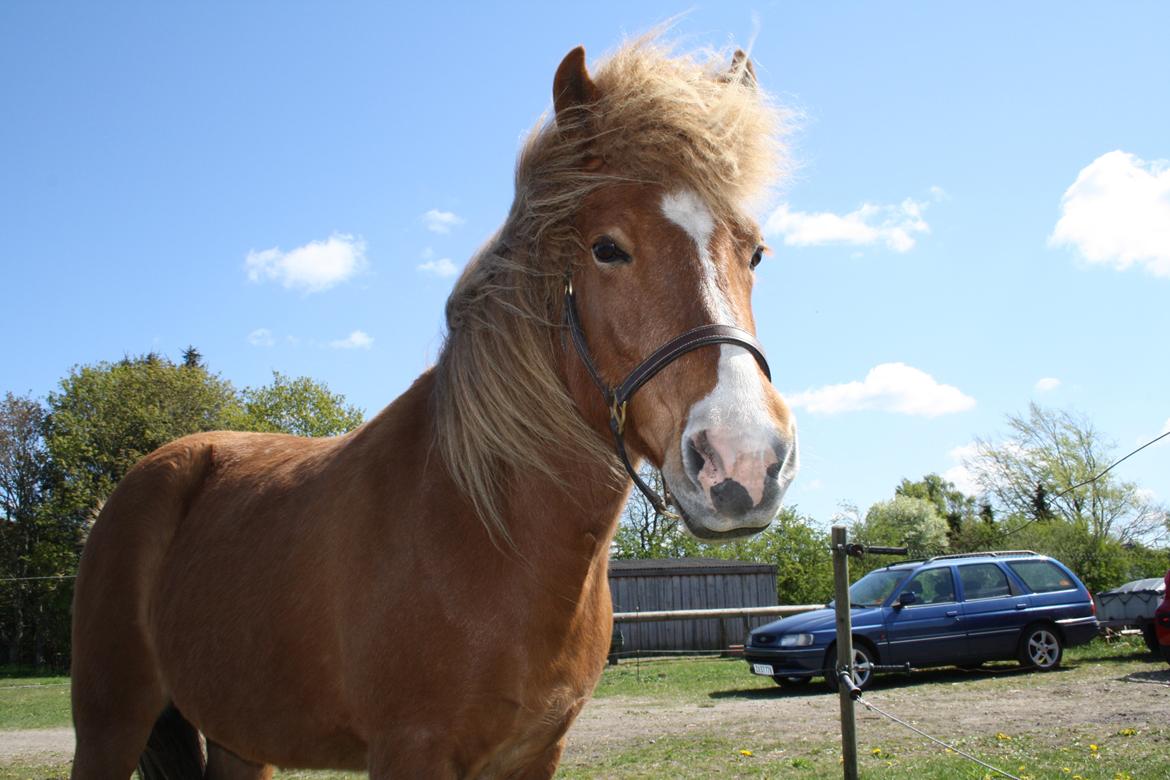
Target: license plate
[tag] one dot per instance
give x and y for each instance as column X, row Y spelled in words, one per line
column 762, row 669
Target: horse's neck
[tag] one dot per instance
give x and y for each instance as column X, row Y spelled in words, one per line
column 579, row 512
column 560, row 529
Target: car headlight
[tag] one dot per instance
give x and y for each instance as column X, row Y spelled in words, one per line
column 796, row 640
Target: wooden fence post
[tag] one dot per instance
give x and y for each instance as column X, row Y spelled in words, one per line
column 844, row 651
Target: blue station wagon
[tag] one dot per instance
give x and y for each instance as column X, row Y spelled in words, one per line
column 949, row 610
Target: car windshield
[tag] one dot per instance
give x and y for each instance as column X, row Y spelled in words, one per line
column 875, row 587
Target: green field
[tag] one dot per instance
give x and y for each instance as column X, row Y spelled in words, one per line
column 736, row 746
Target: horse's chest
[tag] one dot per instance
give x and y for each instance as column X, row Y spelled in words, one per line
column 537, row 739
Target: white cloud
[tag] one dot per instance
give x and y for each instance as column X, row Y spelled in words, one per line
column 441, row 267
column 314, row 267
column 441, row 221
column 261, row 337
column 1117, row 213
column 1046, row 384
column 359, row 339
column 889, row 387
column 894, row 225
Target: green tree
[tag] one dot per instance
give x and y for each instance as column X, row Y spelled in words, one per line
column 643, row 533
column 23, row 462
column 909, row 522
column 37, row 547
column 799, row 551
column 107, row 416
column 1044, row 480
column 796, row 547
column 192, row 358
column 301, row 406
column 1044, row 471
column 955, row 506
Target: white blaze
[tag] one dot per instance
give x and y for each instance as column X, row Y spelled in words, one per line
column 687, row 210
column 734, row 413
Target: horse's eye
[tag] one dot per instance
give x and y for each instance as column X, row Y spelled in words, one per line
column 606, row 251
column 757, row 256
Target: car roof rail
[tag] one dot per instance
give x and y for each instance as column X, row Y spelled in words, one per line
column 988, row 553
column 901, row 564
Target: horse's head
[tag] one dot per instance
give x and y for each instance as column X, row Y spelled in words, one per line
column 657, row 259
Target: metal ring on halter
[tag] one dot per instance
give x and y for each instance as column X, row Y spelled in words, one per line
column 617, row 398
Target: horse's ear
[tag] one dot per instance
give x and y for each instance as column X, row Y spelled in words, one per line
column 742, row 69
column 572, row 87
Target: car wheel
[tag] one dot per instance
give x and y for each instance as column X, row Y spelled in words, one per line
column 791, row 681
column 1041, row 648
column 863, row 662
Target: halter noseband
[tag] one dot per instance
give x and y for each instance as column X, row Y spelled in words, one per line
column 617, row 398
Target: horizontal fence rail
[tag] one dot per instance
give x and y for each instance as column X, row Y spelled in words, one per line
column 725, row 612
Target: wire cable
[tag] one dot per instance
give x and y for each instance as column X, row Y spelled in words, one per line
column 1090, row 480
column 916, row 730
column 34, row 579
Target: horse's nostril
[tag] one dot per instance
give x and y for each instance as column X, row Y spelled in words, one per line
column 774, row 470
column 693, row 456
column 730, row 497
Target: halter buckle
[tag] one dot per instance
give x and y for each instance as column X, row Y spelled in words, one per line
column 618, row 413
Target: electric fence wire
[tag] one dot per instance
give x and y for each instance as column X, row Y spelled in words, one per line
column 34, row 579
column 1090, row 480
column 861, row 700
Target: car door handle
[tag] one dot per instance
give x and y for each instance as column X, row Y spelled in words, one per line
column 953, row 613
column 1021, row 606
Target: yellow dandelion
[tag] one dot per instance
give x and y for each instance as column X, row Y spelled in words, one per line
column 876, row 751
column 1093, row 748
column 747, row 753
column 1127, row 732
column 1002, row 737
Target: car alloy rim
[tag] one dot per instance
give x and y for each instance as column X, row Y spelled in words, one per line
column 1042, row 648
column 862, row 667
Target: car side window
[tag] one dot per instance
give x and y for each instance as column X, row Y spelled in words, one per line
column 1042, row 576
column 933, row 586
column 983, row 581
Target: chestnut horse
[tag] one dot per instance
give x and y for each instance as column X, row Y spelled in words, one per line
column 426, row 596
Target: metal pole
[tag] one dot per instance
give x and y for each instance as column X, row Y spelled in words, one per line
column 844, row 652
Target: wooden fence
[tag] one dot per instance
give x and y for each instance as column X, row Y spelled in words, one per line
column 644, row 591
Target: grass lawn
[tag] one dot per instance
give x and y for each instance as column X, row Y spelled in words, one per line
column 739, row 748
column 34, row 702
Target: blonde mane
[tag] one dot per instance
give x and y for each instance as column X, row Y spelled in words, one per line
column 500, row 400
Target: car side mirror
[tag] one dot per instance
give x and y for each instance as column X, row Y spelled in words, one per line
column 906, row 598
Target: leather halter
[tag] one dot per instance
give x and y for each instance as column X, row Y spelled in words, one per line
column 617, row 398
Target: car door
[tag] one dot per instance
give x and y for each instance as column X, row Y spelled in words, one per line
column 995, row 610
column 930, row 631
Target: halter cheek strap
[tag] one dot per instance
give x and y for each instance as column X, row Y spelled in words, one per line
column 617, row 398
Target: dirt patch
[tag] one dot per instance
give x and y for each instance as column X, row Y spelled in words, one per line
column 947, row 704
column 48, row 744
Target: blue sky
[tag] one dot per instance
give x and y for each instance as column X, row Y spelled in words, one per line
column 980, row 216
